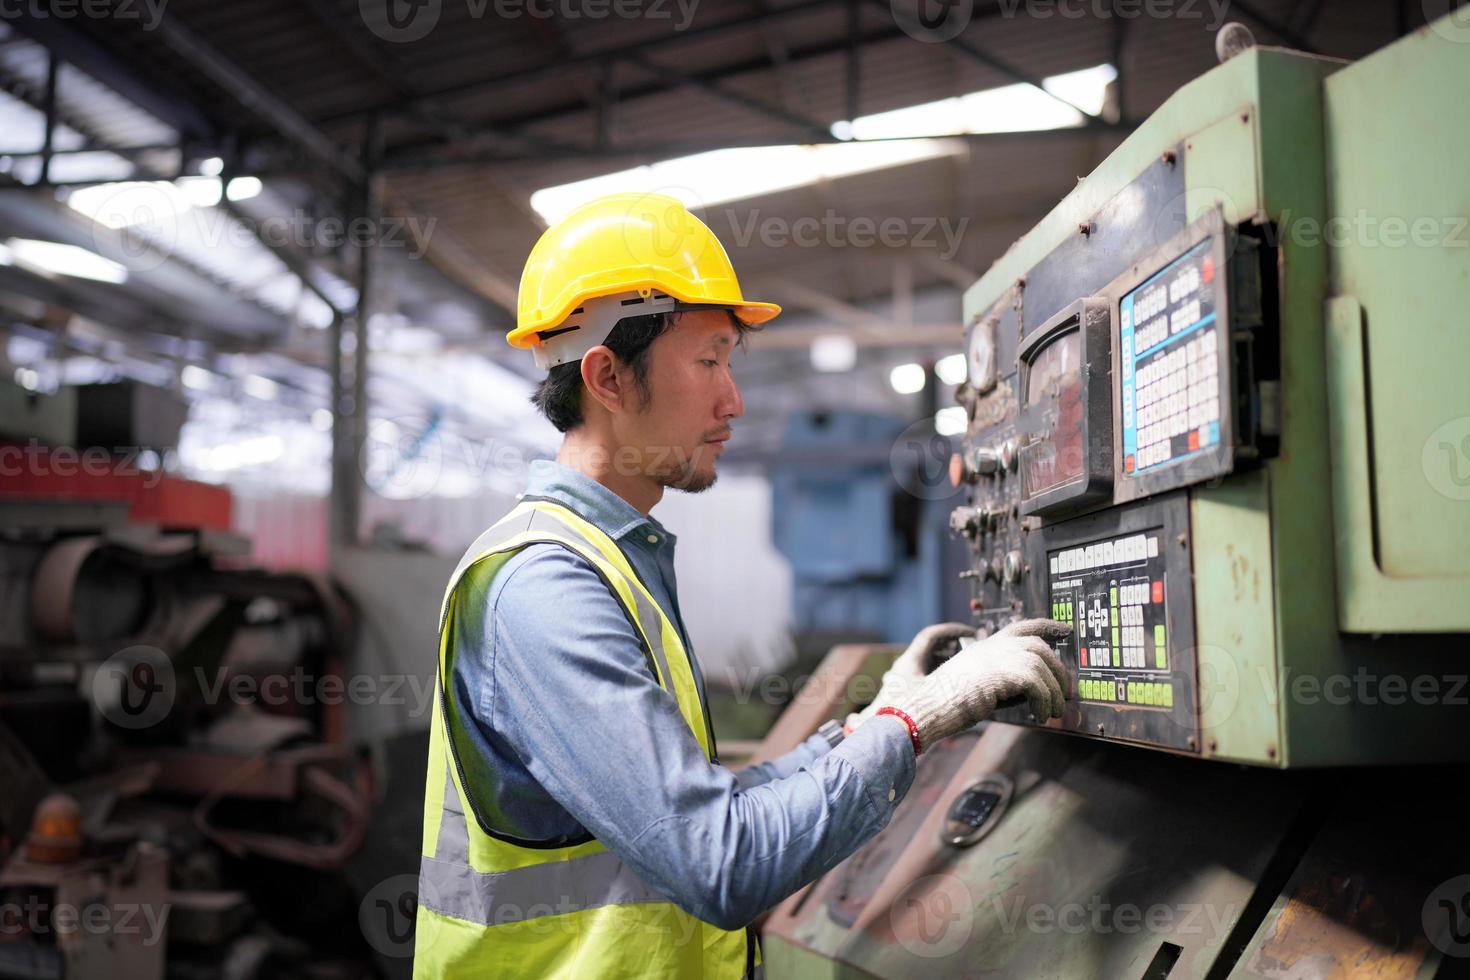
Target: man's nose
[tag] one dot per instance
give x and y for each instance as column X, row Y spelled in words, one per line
column 732, row 406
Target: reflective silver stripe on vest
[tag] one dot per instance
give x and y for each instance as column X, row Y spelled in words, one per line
column 492, row 898
column 453, row 843
column 649, row 617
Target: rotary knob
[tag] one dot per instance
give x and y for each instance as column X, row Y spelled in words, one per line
column 967, row 467
column 1015, row 566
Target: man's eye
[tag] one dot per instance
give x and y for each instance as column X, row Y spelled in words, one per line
column 709, row 362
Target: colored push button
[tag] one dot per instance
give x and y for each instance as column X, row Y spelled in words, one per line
column 1161, row 651
column 1113, row 595
column 1168, row 693
column 1116, row 641
column 1115, row 618
column 1158, row 591
column 1117, row 654
column 1082, row 657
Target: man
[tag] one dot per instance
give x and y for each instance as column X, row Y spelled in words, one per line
column 577, row 820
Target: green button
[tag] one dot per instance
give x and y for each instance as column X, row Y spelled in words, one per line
column 1117, row 654
column 1113, row 595
column 1151, row 693
column 1116, row 641
column 1115, row 618
column 1168, row 695
column 1159, row 634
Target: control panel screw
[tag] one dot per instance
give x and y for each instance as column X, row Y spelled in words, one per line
column 1190, row 741
column 1099, row 729
column 1085, row 228
column 1170, row 158
column 1181, row 539
column 1270, row 751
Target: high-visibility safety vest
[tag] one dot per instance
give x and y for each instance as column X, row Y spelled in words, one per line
column 492, row 905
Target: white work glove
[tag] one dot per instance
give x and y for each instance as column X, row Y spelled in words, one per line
column 1016, row 661
column 912, row 666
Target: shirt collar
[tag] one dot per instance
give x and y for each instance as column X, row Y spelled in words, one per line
column 594, row 502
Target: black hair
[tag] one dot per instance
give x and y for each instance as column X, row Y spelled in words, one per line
column 559, row 395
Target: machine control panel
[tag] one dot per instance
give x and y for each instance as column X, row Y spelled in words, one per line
column 1092, row 426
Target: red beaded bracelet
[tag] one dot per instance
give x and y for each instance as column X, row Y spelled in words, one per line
column 913, row 729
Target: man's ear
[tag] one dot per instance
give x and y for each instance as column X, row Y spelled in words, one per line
column 603, row 378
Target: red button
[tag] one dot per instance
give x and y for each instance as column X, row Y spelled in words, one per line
column 1158, row 592
column 1207, row 269
column 1082, row 656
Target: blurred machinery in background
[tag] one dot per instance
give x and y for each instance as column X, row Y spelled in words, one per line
column 177, row 785
column 1218, row 421
column 863, row 531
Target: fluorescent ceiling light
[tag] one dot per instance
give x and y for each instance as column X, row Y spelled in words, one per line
column 743, row 172
column 907, row 379
column 196, row 377
column 951, row 369
column 261, row 387
column 66, row 260
column 148, row 202
column 720, row 176
column 1009, row 109
column 951, row 421
column 834, row 353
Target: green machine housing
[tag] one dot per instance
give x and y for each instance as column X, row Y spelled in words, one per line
column 1219, row 421
column 1219, row 418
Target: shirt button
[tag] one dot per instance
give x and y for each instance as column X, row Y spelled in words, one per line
column 891, row 794
column 653, row 539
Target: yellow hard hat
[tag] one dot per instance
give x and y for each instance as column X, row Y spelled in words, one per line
column 644, row 244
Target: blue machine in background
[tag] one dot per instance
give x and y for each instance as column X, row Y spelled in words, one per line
column 865, row 528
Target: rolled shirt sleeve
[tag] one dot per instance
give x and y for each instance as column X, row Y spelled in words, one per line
column 567, row 687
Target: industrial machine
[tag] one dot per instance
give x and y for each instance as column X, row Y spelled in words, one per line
column 171, row 805
column 1219, row 423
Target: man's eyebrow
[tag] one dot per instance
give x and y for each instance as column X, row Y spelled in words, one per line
column 723, row 339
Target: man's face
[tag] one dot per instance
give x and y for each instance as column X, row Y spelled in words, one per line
column 682, row 427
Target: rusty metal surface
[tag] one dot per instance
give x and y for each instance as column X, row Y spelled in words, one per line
column 1106, row 856
column 1381, row 870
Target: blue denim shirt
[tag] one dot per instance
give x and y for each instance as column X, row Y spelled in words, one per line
column 577, row 737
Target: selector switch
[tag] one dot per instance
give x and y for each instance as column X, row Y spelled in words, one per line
column 969, row 466
column 1014, row 566
column 966, row 520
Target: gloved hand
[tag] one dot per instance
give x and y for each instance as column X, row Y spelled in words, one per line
column 1017, row 660
column 912, row 666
